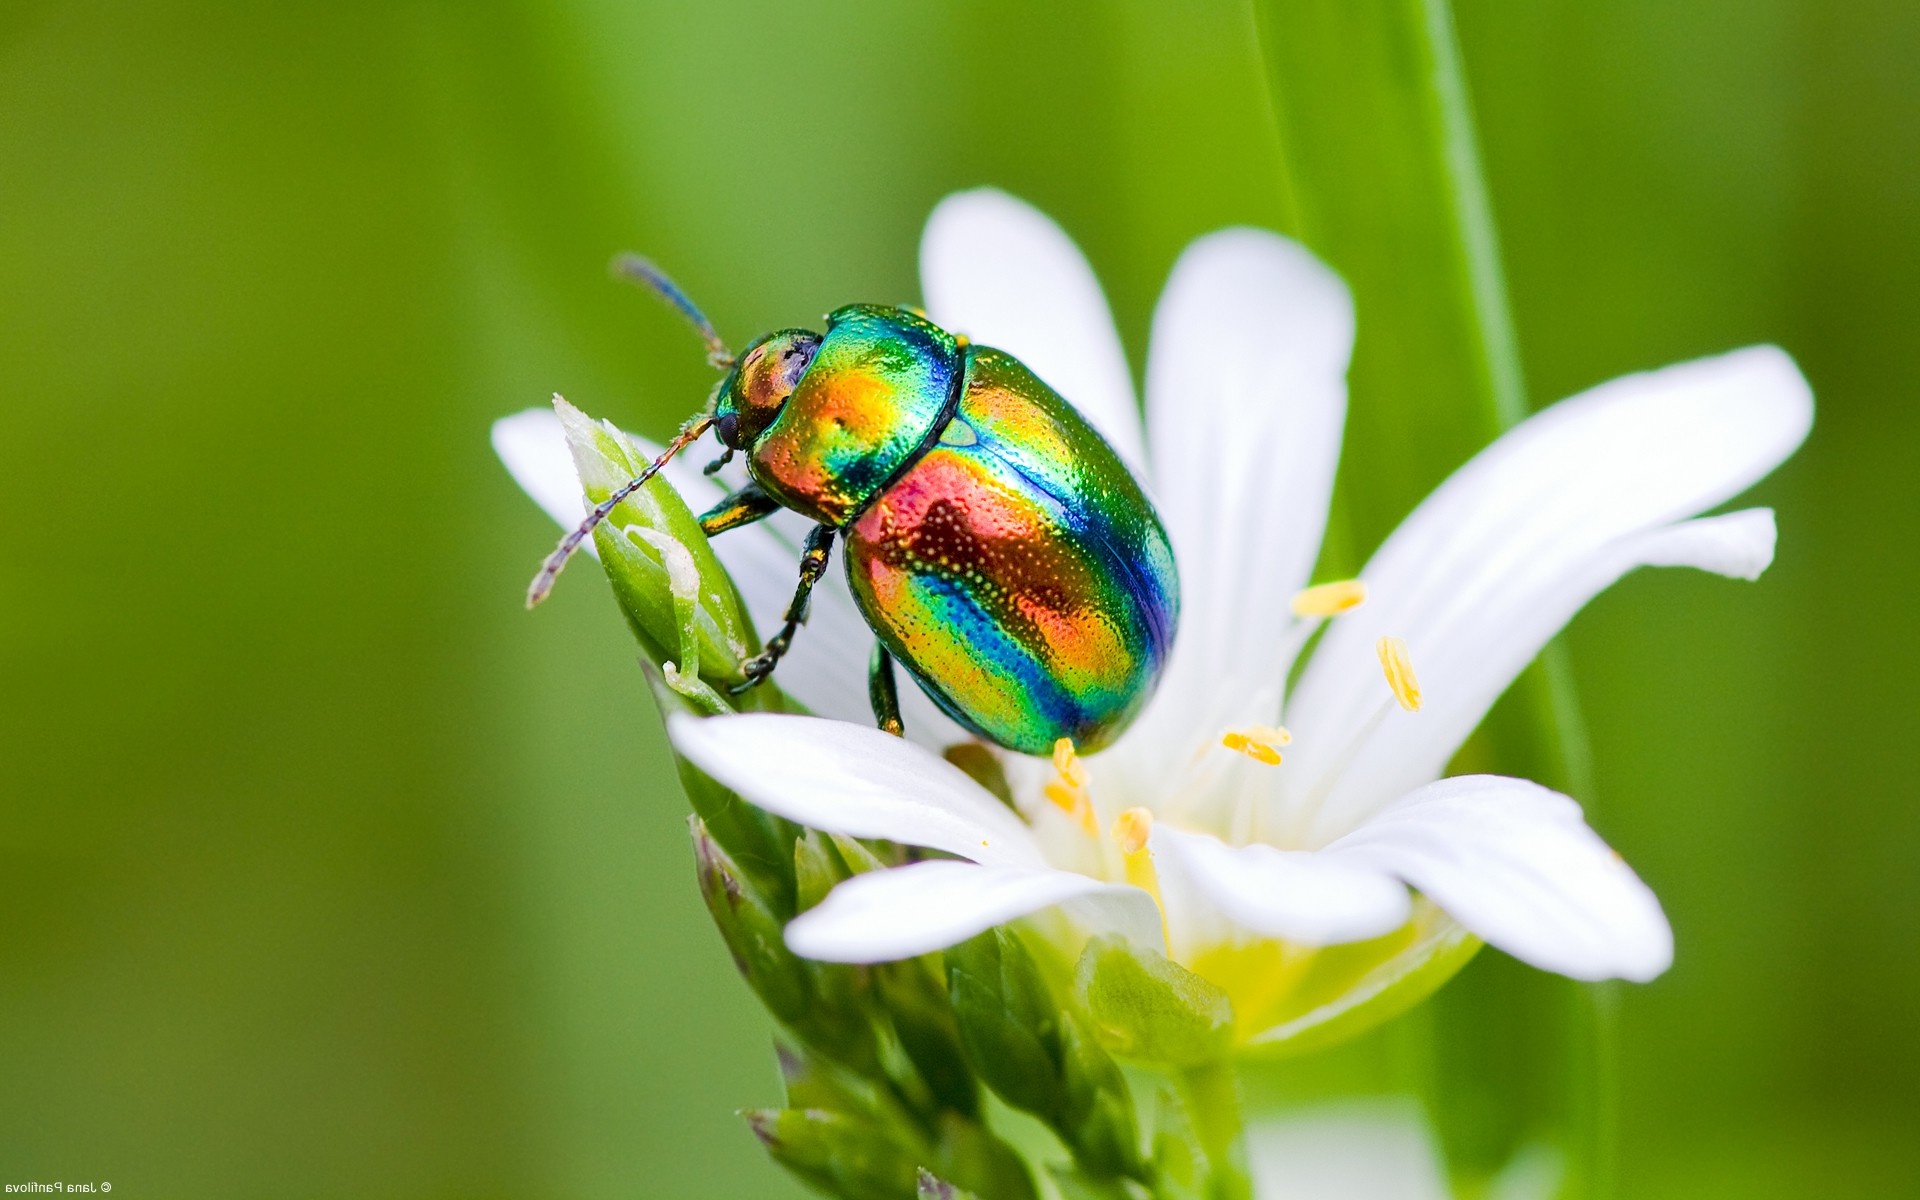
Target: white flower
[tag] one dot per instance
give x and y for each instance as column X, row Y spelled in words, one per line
column 1254, row 873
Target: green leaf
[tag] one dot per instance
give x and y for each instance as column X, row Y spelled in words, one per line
column 1144, row 1006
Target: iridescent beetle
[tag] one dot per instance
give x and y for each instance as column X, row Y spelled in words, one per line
column 996, row 544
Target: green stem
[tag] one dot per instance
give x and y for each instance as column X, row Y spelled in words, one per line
column 1382, row 173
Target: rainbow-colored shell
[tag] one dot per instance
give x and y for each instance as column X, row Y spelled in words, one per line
column 995, row 542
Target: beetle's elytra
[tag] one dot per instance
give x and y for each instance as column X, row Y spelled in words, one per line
column 996, row 545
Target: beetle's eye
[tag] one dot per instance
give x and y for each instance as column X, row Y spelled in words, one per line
column 795, row 359
column 727, row 428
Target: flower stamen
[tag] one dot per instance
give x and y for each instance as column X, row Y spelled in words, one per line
column 1330, row 599
column 1130, row 832
column 1399, row 671
column 1261, row 743
column 1068, row 789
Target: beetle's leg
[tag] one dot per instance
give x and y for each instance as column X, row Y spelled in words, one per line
column 813, row 564
column 713, row 467
column 882, row 692
column 744, row 507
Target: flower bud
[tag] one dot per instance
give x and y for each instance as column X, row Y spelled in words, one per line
column 827, row 1005
column 679, row 601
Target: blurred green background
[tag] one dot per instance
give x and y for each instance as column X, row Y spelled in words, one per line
column 326, row 869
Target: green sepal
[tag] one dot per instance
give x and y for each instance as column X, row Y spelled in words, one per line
column 812, row 1081
column 1180, row 1163
column 839, row 1153
column 825, row 1005
column 1349, row 989
column 677, row 598
column 1037, row 1056
column 974, row 1157
column 850, row 1153
column 1007, row 1019
column 757, row 840
column 1098, row 1120
column 817, row 869
column 982, row 766
column 1075, row 1184
column 752, row 927
column 858, row 857
column 932, row 1188
column 1146, row 1007
column 915, row 999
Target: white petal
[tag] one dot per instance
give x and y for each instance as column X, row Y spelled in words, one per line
column 534, row 449
column 1516, row 864
column 1246, row 398
column 826, row 666
column 1369, row 1149
column 1305, row 897
column 1738, row 545
column 898, row 913
column 853, row 779
column 1510, row 547
column 1001, row 272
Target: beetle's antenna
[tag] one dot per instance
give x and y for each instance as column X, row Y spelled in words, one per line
column 557, row 561
column 635, row 269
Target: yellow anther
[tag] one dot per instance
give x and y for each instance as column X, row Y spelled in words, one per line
column 1399, row 670
column 1330, row 599
column 1130, row 829
column 1068, row 763
column 1068, row 792
column 1261, row 743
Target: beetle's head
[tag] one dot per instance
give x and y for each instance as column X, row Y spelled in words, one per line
column 752, row 393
